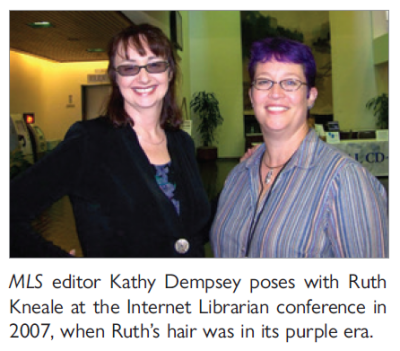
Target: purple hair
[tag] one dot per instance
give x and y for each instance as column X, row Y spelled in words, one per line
column 283, row 50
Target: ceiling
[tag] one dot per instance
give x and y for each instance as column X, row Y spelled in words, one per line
column 72, row 34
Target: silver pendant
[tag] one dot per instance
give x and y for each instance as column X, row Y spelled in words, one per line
column 268, row 177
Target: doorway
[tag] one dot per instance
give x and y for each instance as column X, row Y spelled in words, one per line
column 94, row 100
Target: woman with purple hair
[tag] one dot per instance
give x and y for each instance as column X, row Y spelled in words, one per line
column 296, row 196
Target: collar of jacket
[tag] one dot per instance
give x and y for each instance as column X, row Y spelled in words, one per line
column 305, row 156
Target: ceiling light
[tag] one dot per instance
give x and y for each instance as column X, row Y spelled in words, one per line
column 43, row 24
column 95, row 50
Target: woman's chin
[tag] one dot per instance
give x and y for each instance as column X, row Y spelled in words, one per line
column 274, row 128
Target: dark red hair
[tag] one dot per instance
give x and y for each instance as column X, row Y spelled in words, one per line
column 158, row 43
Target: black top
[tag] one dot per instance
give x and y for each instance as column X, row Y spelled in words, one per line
column 119, row 209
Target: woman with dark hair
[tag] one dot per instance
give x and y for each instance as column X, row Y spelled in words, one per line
column 158, row 44
column 296, row 196
column 131, row 175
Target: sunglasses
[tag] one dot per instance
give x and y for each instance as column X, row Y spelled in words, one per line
column 133, row 70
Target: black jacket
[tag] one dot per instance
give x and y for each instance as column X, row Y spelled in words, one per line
column 119, row 209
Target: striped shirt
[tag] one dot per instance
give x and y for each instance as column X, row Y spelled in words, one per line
column 323, row 204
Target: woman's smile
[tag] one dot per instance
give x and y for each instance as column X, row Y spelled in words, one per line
column 145, row 90
column 276, row 108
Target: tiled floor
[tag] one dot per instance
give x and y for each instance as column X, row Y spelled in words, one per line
column 57, row 223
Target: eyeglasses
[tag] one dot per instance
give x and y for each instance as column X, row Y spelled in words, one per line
column 286, row 84
column 133, row 70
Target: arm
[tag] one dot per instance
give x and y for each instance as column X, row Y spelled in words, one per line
column 37, row 188
column 358, row 225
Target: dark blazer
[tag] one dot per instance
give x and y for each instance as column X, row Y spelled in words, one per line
column 119, row 209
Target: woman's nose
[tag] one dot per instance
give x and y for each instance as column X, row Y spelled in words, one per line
column 143, row 75
column 276, row 90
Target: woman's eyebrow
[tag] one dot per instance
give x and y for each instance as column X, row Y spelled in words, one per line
column 150, row 58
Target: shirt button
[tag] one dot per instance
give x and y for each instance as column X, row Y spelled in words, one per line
column 182, row 246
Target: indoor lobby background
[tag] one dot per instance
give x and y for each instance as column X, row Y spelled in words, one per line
column 211, row 60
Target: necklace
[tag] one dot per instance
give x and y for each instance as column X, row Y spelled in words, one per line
column 271, row 170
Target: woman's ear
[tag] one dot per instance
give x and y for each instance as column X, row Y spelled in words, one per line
column 312, row 96
column 250, row 96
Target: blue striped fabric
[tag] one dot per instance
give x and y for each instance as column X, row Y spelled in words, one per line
column 323, row 204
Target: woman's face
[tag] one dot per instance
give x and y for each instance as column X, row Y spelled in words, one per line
column 143, row 91
column 277, row 110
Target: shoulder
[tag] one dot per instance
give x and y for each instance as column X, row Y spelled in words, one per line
column 251, row 162
column 94, row 129
column 347, row 170
column 241, row 172
column 99, row 124
column 331, row 167
column 180, row 139
column 317, row 154
column 330, row 156
column 180, row 136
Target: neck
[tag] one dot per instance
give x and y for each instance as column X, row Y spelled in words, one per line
column 147, row 123
column 149, row 130
column 147, row 117
column 279, row 149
